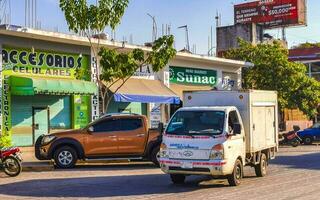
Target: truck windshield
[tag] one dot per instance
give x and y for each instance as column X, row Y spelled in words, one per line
column 196, row 123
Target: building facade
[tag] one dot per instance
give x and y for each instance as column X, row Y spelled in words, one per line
column 41, row 94
column 310, row 57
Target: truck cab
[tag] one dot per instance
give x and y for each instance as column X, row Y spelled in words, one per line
column 203, row 140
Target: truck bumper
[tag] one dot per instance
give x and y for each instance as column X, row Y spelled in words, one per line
column 194, row 167
column 40, row 152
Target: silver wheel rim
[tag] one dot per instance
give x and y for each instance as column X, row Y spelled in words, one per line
column 11, row 166
column 238, row 172
column 65, row 157
column 264, row 166
column 308, row 140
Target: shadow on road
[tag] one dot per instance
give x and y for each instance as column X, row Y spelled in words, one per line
column 108, row 186
column 305, row 161
column 111, row 167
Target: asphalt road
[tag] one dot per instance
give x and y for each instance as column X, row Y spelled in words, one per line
column 294, row 174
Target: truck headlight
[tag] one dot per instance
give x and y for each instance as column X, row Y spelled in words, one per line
column 47, row 139
column 217, row 152
column 163, row 151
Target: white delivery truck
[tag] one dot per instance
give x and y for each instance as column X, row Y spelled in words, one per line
column 219, row 132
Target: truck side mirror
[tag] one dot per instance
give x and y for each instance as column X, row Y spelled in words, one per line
column 160, row 127
column 236, row 129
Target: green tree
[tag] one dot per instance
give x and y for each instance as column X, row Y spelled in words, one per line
column 115, row 67
column 273, row 71
column 307, row 45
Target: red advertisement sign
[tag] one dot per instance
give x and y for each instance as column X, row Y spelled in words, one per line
column 271, row 13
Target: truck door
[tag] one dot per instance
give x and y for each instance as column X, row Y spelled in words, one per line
column 236, row 144
column 270, row 126
column 102, row 141
column 132, row 136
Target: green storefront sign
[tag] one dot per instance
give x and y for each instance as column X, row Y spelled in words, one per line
column 41, row 63
column 30, row 72
column 192, row 76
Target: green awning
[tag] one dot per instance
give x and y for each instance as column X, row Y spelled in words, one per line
column 36, row 85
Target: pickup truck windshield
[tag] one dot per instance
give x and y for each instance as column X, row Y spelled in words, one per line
column 196, row 123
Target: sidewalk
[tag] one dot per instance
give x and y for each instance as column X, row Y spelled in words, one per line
column 31, row 163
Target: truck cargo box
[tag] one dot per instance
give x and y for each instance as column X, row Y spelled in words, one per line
column 258, row 110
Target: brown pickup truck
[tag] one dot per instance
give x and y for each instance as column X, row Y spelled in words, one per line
column 112, row 137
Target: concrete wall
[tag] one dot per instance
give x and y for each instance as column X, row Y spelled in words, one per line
column 227, row 36
column 43, row 45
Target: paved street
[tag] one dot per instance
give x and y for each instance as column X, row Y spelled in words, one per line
column 295, row 174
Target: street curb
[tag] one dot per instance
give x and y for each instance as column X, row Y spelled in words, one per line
column 37, row 167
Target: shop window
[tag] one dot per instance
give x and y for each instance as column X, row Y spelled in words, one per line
column 315, row 67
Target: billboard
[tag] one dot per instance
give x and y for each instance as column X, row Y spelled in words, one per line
column 271, row 13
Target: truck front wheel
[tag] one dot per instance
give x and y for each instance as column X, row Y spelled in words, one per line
column 155, row 155
column 261, row 168
column 234, row 179
column 178, row 178
column 65, row 157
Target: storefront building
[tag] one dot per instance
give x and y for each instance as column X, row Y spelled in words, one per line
column 310, row 57
column 40, row 93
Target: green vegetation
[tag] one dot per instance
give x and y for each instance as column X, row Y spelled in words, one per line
column 273, row 71
column 115, row 67
column 307, row 45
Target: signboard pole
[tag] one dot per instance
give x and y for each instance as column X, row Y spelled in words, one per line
column 94, row 78
column 1, row 89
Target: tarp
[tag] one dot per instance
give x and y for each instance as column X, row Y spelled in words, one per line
column 39, row 85
column 144, row 91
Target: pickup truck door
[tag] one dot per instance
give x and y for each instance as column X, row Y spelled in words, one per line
column 236, row 143
column 102, row 141
column 132, row 136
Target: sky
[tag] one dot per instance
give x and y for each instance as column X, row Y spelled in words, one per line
column 197, row 14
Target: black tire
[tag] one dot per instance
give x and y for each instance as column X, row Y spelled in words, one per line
column 155, row 155
column 261, row 168
column 12, row 166
column 65, row 157
column 295, row 143
column 307, row 140
column 234, row 179
column 177, row 178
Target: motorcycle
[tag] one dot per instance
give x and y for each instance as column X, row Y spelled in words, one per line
column 10, row 161
column 291, row 138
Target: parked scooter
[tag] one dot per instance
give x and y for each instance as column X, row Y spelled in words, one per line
column 291, row 138
column 10, row 161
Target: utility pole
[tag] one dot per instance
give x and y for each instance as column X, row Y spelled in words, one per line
column 186, row 36
column 154, row 27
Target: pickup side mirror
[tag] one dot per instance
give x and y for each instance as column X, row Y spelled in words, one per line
column 236, row 129
column 90, row 129
column 160, row 127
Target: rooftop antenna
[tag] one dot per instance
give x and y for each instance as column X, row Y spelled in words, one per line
column 186, row 36
column 154, row 27
column 5, row 11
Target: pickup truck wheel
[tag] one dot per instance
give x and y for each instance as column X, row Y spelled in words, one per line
column 155, row 155
column 177, row 178
column 65, row 157
column 234, row 179
column 261, row 168
column 307, row 140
